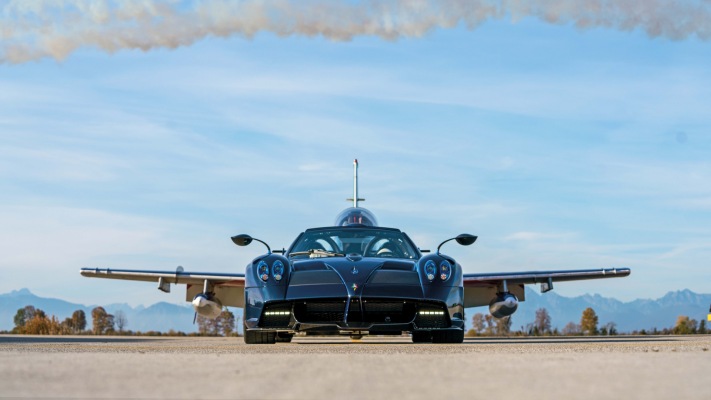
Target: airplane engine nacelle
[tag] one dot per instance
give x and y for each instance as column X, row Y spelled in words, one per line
column 207, row 307
column 503, row 305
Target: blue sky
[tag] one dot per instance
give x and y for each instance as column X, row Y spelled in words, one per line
column 560, row 147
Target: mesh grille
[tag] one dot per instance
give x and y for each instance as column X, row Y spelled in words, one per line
column 331, row 311
column 388, row 311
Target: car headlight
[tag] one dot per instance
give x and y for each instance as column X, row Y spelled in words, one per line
column 430, row 270
column 263, row 271
column 278, row 270
column 445, row 270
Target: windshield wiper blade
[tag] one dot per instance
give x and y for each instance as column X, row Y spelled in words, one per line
column 314, row 253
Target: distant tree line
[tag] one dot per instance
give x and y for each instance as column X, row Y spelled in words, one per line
column 684, row 326
column 487, row 325
column 33, row 321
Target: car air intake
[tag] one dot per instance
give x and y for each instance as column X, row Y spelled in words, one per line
column 320, row 311
column 378, row 311
column 276, row 316
column 431, row 318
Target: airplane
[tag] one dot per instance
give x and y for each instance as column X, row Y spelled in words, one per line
column 354, row 278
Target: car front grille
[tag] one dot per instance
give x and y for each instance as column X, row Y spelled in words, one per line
column 320, row 311
column 360, row 311
column 384, row 311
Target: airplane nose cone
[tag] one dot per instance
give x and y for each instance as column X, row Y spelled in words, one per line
column 199, row 302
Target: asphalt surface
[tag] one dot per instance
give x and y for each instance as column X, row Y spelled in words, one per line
column 649, row 367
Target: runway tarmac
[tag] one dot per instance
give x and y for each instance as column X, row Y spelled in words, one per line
column 650, row 367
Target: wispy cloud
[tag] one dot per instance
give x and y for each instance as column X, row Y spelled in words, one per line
column 38, row 29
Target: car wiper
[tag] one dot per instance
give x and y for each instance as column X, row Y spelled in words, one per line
column 315, row 253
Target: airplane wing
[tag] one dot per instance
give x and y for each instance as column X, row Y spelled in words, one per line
column 479, row 289
column 229, row 288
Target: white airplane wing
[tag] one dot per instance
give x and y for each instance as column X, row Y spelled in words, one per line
column 479, row 289
column 229, row 288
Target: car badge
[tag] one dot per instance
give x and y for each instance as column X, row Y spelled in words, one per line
column 355, row 287
column 354, row 271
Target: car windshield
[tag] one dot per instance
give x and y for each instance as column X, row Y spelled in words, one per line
column 347, row 241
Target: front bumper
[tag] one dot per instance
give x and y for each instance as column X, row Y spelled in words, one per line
column 355, row 315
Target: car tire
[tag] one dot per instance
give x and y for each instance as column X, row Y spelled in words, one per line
column 453, row 336
column 421, row 337
column 282, row 337
column 259, row 337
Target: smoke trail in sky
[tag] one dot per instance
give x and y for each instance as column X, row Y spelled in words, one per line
column 35, row 29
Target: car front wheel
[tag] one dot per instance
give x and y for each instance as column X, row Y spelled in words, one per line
column 259, row 337
column 453, row 336
column 421, row 337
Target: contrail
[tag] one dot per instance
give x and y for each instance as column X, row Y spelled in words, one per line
column 36, row 29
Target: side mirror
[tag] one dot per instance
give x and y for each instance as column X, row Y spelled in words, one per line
column 244, row 240
column 464, row 239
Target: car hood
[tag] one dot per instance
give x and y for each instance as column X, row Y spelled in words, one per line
column 353, row 269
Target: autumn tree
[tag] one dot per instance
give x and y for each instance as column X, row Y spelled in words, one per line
column 22, row 316
column 227, row 322
column 41, row 325
column 588, row 322
column 223, row 325
column 74, row 324
column 478, row 323
column 542, row 323
column 685, row 326
column 102, row 322
column 67, row 326
column 208, row 326
column 33, row 321
column 79, row 321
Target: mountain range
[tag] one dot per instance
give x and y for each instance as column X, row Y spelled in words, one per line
column 634, row 315
column 629, row 316
column 157, row 317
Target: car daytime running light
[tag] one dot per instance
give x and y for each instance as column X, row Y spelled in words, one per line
column 263, row 271
column 431, row 312
column 430, row 269
column 445, row 270
column 277, row 270
column 277, row 313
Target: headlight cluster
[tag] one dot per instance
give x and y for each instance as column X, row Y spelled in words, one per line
column 445, row 270
column 277, row 270
column 432, row 271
